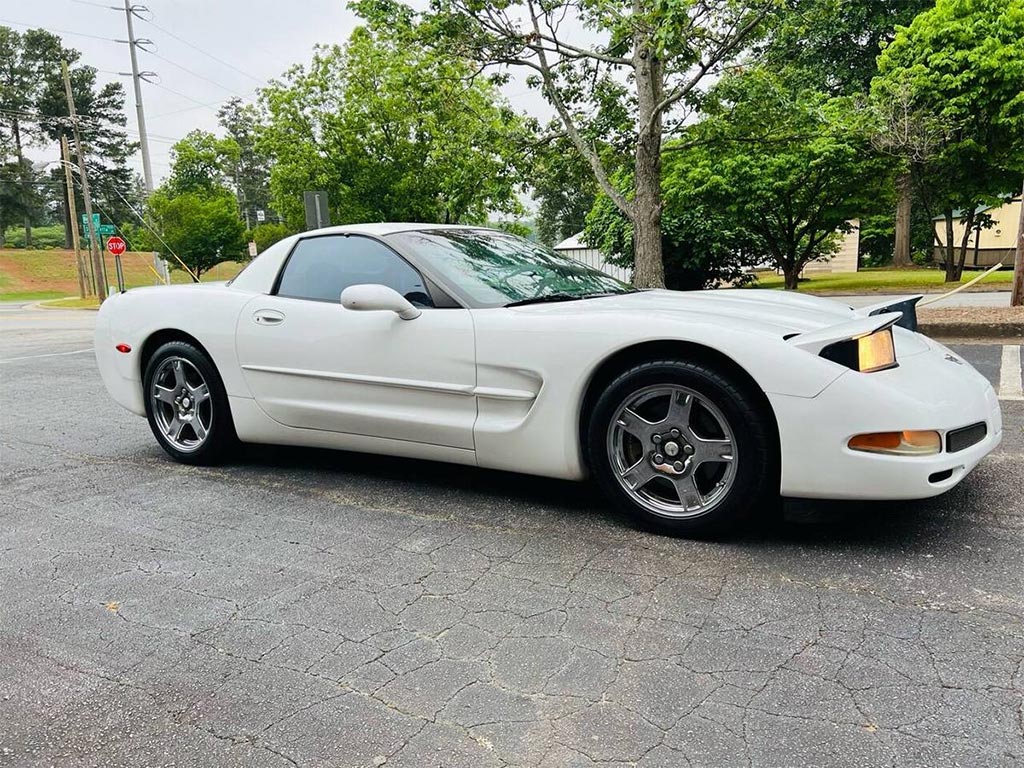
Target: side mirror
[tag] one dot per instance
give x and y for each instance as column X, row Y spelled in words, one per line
column 369, row 298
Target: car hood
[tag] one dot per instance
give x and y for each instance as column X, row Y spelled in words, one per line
column 774, row 313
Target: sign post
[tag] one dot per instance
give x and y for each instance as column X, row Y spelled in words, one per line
column 317, row 213
column 116, row 246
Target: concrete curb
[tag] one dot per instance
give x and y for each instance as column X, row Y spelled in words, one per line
column 45, row 305
column 972, row 330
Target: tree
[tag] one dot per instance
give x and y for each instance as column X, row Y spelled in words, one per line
column 702, row 246
column 27, row 62
column 116, row 189
column 249, row 174
column 194, row 212
column 202, row 228
column 961, row 65
column 791, row 169
column 200, row 163
column 642, row 58
column 392, row 131
column 833, row 46
column 565, row 189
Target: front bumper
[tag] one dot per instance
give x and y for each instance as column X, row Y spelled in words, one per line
column 931, row 390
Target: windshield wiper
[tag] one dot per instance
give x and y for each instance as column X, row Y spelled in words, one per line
column 548, row 298
column 552, row 297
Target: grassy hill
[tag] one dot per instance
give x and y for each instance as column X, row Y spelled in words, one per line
column 49, row 274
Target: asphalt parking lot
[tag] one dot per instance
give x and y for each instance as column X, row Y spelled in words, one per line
column 309, row 608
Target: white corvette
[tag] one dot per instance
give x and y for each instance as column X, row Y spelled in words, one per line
column 460, row 344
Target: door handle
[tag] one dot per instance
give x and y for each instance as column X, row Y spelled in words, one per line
column 267, row 317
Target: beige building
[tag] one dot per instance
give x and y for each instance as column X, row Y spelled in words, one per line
column 845, row 258
column 994, row 245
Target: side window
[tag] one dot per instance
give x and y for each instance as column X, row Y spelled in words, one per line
column 320, row 268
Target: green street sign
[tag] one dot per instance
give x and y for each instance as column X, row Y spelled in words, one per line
column 106, row 229
column 95, row 221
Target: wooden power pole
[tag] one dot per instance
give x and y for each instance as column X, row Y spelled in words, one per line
column 97, row 260
column 65, row 155
column 1017, row 297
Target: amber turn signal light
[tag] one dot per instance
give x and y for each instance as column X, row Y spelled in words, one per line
column 906, row 443
column 876, row 352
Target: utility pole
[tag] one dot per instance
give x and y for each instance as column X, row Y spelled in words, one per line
column 147, row 170
column 65, row 155
column 1017, row 298
column 97, row 260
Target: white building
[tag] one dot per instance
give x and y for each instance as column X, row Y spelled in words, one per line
column 575, row 248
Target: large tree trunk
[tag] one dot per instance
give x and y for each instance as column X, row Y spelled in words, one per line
column 649, row 269
column 791, row 275
column 904, row 205
column 951, row 276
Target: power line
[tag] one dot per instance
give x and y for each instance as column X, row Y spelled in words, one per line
column 192, row 72
column 59, row 31
column 177, row 93
column 203, row 51
column 96, row 5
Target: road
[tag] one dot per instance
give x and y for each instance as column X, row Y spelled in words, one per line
column 309, row 608
column 962, row 299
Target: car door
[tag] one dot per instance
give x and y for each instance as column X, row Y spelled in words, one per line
column 313, row 364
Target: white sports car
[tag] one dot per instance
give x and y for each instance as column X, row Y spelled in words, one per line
column 462, row 344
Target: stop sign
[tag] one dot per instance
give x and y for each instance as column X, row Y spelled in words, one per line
column 116, row 245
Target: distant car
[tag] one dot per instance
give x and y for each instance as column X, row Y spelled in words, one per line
column 691, row 411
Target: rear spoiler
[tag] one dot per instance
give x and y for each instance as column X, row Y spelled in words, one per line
column 905, row 304
column 815, row 341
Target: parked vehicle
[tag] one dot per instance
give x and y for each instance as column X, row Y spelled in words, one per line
column 692, row 411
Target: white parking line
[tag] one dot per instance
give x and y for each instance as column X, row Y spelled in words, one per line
column 51, row 354
column 1010, row 374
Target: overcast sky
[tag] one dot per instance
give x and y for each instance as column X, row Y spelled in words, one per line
column 254, row 40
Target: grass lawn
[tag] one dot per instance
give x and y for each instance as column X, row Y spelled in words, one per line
column 73, row 302
column 881, row 280
column 29, row 295
column 49, row 274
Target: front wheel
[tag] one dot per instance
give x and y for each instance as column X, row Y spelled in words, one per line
column 683, row 448
column 187, row 405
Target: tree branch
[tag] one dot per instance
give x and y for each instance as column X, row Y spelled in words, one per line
column 588, row 151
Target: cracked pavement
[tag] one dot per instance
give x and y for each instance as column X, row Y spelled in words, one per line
column 310, row 608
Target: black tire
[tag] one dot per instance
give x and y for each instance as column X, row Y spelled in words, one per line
column 755, row 474
column 220, row 439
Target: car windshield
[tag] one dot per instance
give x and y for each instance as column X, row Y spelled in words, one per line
column 493, row 269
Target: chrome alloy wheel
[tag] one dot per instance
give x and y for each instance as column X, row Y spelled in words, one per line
column 672, row 451
column 181, row 404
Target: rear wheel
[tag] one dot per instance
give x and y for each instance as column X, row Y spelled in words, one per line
column 683, row 448
column 187, row 406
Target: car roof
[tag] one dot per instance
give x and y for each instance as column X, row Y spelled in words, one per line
column 385, row 228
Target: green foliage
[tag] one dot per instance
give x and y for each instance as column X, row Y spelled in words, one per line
column 202, row 227
column 701, row 246
column 33, row 113
column 265, row 235
column 249, row 173
column 199, row 163
column 832, row 45
column 788, row 168
column 565, row 189
column 959, row 67
column 392, row 131
column 42, row 237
